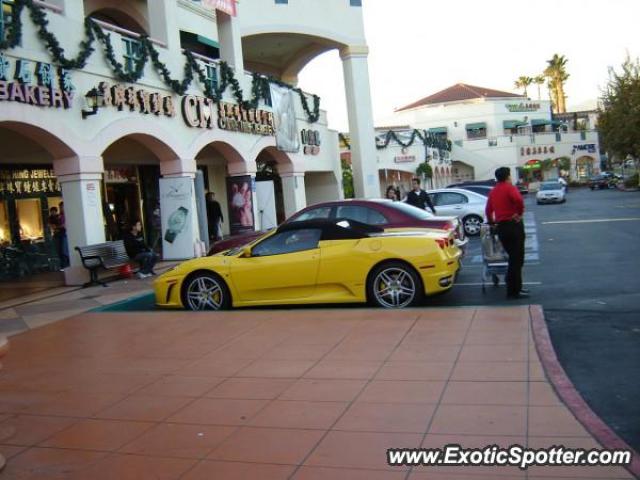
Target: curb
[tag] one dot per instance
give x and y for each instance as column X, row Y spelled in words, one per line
column 570, row 396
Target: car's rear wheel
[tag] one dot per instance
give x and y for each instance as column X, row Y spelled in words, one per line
column 205, row 291
column 394, row 285
column 472, row 224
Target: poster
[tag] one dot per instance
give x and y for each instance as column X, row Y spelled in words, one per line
column 176, row 205
column 284, row 114
column 240, row 201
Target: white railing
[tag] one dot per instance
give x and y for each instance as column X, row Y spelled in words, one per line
column 126, row 33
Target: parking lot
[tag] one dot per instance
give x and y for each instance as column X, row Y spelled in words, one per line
column 582, row 266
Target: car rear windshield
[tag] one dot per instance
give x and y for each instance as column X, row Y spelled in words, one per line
column 410, row 210
column 551, row 186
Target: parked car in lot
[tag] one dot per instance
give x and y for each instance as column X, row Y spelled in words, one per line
column 469, row 206
column 479, row 189
column 317, row 261
column 522, row 186
column 600, row 182
column 551, row 192
column 381, row 212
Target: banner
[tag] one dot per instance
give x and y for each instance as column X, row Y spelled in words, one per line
column 240, row 201
column 226, row 6
column 284, row 113
column 176, row 200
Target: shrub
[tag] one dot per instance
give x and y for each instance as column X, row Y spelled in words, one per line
column 632, row 181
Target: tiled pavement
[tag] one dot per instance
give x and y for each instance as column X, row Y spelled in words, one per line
column 302, row 394
column 47, row 305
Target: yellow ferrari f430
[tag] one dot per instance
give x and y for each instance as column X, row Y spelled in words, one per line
column 317, row 262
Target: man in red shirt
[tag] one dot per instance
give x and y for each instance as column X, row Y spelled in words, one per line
column 505, row 207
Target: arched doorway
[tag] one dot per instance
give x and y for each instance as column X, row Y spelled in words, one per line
column 32, row 240
column 131, row 186
column 271, row 165
column 218, row 161
column 585, row 167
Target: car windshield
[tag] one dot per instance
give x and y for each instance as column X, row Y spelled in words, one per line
column 410, row 210
column 551, row 186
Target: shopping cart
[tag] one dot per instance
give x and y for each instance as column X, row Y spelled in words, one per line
column 494, row 258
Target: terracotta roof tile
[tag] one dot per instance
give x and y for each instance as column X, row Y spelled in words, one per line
column 457, row 93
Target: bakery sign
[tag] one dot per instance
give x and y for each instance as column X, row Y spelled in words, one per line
column 523, row 107
column 35, row 83
column 537, row 150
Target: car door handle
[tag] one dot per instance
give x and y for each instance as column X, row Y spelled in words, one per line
column 458, row 208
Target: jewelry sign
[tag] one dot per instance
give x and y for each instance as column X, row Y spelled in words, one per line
column 34, row 83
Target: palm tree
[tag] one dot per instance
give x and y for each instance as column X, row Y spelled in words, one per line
column 523, row 82
column 539, row 80
column 557, row 74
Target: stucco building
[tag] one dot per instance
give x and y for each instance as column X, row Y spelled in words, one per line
column 112, row 107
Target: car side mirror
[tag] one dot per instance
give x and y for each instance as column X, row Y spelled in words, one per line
column 246, row 252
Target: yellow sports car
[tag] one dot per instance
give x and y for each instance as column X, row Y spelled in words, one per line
column 313, row 262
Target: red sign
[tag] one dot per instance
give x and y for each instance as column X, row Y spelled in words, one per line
column 226, row 6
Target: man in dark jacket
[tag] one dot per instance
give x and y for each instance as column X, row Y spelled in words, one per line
column 419, row 198
column 138, row 250
column 214, row 217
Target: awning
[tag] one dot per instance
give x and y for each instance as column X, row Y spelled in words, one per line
column 476, row 126
column 438, row 130
column 536, row 122
column 207, row 41
column 513, row 123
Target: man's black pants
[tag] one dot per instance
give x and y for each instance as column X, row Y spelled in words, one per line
column 511, row 235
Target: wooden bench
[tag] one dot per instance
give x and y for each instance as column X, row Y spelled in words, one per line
column 107, row 255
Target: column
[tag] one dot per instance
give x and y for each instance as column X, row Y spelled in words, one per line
column 180, row 236
column 80, row 179
column 294, row 192
column 163, row 22
column 230, row 41
column 363, row 149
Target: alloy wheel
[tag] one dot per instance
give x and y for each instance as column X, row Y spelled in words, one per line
column 205, row 293
column 394, row 288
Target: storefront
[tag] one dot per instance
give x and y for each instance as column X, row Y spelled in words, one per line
column 31, row 234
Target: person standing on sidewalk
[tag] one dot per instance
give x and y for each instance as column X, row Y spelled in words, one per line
column 419, row 198
column 505, row 208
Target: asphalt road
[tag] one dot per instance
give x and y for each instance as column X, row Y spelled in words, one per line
column 585, row 271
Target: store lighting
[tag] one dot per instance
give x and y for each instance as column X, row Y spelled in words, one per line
column 92, row 102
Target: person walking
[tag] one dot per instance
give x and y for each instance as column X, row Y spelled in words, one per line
column 392, row 193
column 505, row 208
column 419, row 198
column 138, row 250
column 61, row 237
column 214, row 217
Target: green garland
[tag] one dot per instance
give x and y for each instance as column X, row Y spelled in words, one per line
column 428, row 140
column 260, row 83
column 344, row 140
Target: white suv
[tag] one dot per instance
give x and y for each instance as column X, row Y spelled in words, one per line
column 466, row 205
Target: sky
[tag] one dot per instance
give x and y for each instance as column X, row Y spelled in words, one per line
column 418, row 47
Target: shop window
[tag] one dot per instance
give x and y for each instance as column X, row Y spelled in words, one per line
column 476, row 133
column 355, row 3
column 6, row 15
column 29, row 212
column 132, row 53
column 5, row 229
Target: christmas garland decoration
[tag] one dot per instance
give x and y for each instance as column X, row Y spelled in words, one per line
column 148, row 52
column 428, row 140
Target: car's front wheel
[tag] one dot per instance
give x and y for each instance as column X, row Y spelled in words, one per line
column 205, row 291
column 472, row 224
column 394, row 285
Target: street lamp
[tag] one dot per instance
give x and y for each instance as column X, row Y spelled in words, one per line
column 92, row 102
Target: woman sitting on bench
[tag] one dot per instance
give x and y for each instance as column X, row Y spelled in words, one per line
column 138, row 250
